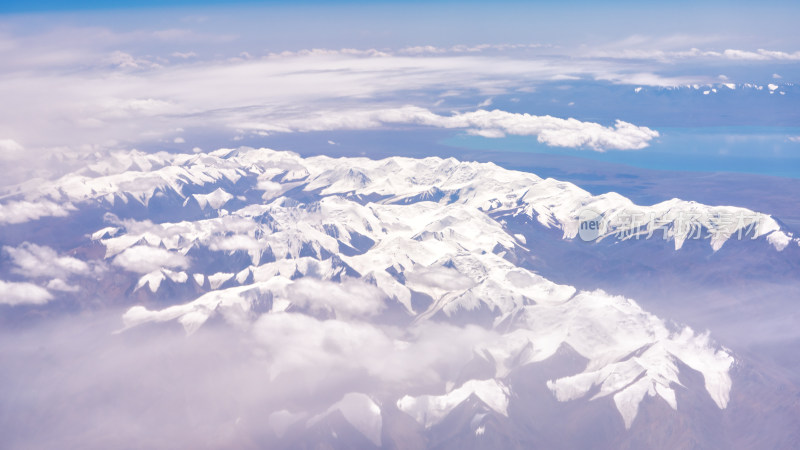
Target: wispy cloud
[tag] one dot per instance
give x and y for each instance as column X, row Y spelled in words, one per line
column 695, row 53
column 114, row 89
column 122, row 97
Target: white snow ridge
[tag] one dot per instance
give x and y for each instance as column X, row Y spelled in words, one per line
column 317, row 255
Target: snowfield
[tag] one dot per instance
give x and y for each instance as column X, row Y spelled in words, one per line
column 351, row 262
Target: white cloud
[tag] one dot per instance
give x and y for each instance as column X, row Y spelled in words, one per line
column 743, row 54
column 10, row 150
column 130, row 98
column 24, row 211
column 648, row 79
column 438, row 277
column 325, row 52
column 295, row 343
column 185, row 55
column 58, row 284
column 145, row 259
column 13, row 293
column 549, row 130
column 778, row 55
column 116, row 108
column 312, row 351
column 235, row 242
column 350, row 298
column 490, row 133
column 127, row 61
column 41, row 261
column 422, row 49
column 671, row 55
column 271, row 189
column 94, row 107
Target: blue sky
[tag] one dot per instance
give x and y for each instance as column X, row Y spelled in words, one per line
column 702, row 87
column 450, row 22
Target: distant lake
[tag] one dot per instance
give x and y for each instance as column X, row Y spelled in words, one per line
column 755, row 150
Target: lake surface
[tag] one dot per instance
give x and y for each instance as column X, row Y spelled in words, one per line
column 754, row 150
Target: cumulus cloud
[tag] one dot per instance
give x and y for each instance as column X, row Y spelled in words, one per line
column 14, row 293
column 24, row 211
column 146, row 259
column 549, row 130
column 350, row 298
column 41, row 261
column 58, row 284
column 430, row 49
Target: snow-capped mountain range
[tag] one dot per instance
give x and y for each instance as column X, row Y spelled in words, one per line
column 379, row 263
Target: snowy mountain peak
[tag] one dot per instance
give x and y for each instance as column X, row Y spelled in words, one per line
column 208, row 178
column 326, row 252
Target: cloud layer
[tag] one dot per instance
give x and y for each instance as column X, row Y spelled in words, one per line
column 126, row 98
column 549, row 130
column 216, row 388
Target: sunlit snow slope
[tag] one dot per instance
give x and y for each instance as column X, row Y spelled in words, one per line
column 315, row 247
